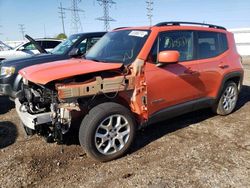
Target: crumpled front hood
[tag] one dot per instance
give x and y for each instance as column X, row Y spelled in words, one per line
column 47, row 72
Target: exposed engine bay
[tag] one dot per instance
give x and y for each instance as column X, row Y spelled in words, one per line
column 49, row 109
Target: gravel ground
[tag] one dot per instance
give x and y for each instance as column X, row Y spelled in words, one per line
column 195, row 150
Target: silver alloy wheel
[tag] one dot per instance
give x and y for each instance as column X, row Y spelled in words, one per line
column 229, row 98
column 112, row 134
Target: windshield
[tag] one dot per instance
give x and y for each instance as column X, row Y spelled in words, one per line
column 65, row 45
column 118, row 46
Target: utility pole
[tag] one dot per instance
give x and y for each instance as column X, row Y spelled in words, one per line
column 106, row 4
column 62, row 16
column 22, row 29
column 75, row 18
column 150, row 10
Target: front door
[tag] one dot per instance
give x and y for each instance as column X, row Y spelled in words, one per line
column 172, row 84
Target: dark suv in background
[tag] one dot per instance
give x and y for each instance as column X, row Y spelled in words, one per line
column 75, row 46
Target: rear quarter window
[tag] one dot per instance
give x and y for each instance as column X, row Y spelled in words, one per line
column 223, row 42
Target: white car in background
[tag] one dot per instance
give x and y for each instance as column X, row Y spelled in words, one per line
column 4, row 47
column 28, row 48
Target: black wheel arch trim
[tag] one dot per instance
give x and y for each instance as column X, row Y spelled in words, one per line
column 17, row 82
column 228, row 76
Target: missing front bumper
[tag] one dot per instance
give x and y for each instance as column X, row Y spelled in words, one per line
column 30, row 120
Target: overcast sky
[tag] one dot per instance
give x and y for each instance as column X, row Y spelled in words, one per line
column 41, row 17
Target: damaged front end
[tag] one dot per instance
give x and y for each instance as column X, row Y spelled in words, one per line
column 38, row 109
column 50, row 109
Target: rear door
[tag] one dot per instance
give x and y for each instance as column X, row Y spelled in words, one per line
column 213, row 60
column 172, row 84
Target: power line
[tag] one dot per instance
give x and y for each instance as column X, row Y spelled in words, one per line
column 22, row 29
column 149, row 10
column 62, row 16
column 106, row 4
column 75, row 18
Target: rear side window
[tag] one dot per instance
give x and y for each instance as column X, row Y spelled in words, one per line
column 50, row 44
column 211, row 44
column 208, row 44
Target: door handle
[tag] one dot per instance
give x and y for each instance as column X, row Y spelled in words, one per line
column 223, row 66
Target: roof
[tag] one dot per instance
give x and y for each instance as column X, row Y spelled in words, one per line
column 91, row 33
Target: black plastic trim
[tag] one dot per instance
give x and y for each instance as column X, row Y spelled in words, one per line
column 235, row 74
column 180, row 109
column 17, row 83
column 174, row 23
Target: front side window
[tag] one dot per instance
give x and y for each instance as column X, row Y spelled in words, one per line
column 181, row 41
column 64, row 46
column 91, row 42
column 82, row 46
column 119, row 46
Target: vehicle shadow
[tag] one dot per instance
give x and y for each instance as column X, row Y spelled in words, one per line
column 156, row 131
column 5, row 104
column 8, row 134
column 72, row 137
column 244, row 97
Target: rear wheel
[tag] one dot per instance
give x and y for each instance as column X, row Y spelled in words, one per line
column 107, row 132
column 228, row 99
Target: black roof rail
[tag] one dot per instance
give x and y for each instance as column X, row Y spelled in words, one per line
column 119, row 28
column 188, row 23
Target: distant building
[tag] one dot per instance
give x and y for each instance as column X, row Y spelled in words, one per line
column 242, row 39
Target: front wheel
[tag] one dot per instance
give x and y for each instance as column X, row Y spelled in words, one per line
column 228, row 99
column 107, row 132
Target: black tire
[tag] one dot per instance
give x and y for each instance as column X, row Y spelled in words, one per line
column 91, row 125
column 28, row 131
column 219, row 108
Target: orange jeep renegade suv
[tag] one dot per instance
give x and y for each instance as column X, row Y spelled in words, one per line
column 132, row 77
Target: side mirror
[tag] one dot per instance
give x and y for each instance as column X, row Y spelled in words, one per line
column 170, row 56
column 75, row 52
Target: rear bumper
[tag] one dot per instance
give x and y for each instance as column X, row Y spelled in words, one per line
column 32, row 120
